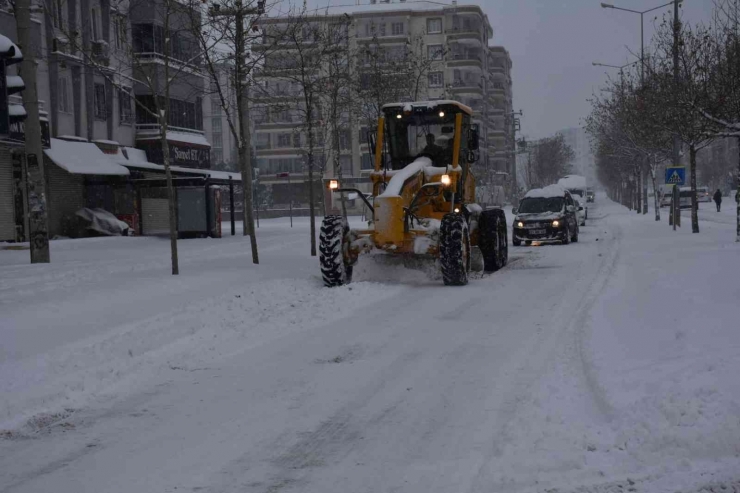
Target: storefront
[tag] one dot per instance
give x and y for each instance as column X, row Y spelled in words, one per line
column 75, row 172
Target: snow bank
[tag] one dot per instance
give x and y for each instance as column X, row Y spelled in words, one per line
column 546, row 192
column 395, row 184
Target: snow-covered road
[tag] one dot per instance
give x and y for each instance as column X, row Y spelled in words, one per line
column 603, row 365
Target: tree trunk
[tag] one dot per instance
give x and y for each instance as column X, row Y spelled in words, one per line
column 638, row 192
column 245, row 156
column 737, row 194
column 337, row 164
column 163, row 115
column 644, row 190
column 694, row 202
column 656, row 199
column 311, row 199
column 171, row 195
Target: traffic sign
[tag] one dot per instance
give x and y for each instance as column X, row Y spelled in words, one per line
column 675, row 175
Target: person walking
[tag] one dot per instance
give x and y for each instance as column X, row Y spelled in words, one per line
column 718, row 199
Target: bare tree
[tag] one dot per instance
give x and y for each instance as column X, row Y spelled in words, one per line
column 625, row 118
column 722, row 68
column 158, row 57
column 548, row 160
column 681, row 97
column 225, row 36
column 307, row 40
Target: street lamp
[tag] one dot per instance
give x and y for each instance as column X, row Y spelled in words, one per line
column 642, row 28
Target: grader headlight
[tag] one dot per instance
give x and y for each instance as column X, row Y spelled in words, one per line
column 446, row 180
column 333, row 184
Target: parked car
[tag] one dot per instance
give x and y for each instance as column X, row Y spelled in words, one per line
column 666, row 199
column 581, row 212
column 703, row 194
column 590, row 195
column 685, row 198
column 546, row 214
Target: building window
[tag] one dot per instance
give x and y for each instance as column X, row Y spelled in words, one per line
column 63, row 95
column 434, row 52
column 297, row 140
column 217, row 156
column 436, row 79
column 58, row 14
column 217, row 141
column 283, row 140
column 381, row 29
column 121, row 34
column 94, row 24
column 184, row 114
column 215, row 107
column 344, row 140
column 99, row 102
column 367, row 162
column 262, row 141
column 345, row 162
column 397, row 28
column 216, row 125
column 434, row 26
column 125, row 112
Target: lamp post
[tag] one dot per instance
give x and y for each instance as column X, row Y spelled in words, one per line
column 642, row 28
column 675, row 3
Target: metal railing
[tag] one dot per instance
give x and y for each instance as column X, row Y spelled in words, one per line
column 155, row 127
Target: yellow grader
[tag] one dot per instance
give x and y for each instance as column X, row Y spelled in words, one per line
column 423, row 199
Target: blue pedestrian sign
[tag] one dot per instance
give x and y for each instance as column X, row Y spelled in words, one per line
column 675, row 175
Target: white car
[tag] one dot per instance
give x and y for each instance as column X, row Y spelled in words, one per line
column 581, row 211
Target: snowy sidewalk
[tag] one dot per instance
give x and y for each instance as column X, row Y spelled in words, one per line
column 646, row 395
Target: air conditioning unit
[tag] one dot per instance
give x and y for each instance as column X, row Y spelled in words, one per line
column 60, row 45
column 100, row 50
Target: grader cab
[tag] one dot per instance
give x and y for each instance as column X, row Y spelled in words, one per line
column 423, row 199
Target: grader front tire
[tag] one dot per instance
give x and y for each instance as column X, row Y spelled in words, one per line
column 454, row 250
column 333, row 241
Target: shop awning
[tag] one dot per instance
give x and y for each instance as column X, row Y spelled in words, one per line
column 137, row 160
column 83, row 158
column 181, row 137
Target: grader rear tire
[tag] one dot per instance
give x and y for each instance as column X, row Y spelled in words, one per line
column 454, row 250
column 492, row 239
column 333, row 241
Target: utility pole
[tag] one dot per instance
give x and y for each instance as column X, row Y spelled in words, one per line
column 514, row 125
column 676, row 139
column 38, row 233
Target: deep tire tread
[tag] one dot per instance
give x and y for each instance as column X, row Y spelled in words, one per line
column 454, row 240
column 334, row 270
column 493, row 239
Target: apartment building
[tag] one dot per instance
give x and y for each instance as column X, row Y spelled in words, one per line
column 455, row 39
column 91, row 58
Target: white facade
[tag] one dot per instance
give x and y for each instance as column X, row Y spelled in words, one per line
column 467, row 70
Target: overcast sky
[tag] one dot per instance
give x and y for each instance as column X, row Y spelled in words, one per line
column 552, row 45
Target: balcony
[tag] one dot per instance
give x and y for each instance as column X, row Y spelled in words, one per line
column 458, row 58
column 466, row 85
column 151, row 130
column 473, row 31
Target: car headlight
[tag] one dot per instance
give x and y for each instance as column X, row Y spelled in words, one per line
column 520, row 224
column 445, row 180
column 555, row 223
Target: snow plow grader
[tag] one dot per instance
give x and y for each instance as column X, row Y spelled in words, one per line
column 423, row 197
